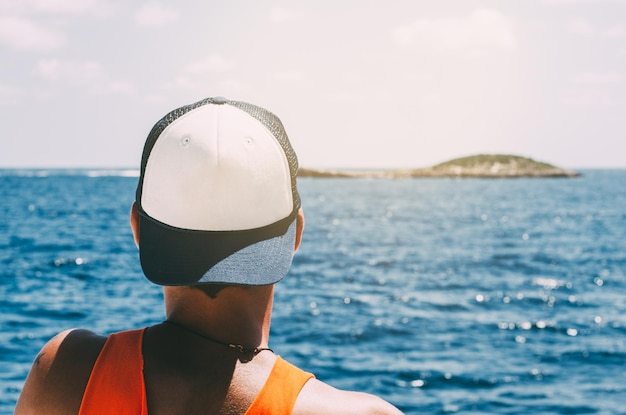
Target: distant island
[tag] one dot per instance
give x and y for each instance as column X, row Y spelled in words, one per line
column 481, row 165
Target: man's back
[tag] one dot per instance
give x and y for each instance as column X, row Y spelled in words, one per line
column 183, row 375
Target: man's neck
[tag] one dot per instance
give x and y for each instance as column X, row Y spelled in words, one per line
column 239, row 315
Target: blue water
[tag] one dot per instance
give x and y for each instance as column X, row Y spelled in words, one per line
column 440, row 295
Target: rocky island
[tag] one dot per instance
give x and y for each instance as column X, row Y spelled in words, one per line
column 481, row 165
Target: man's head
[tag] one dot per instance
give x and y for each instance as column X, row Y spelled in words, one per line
column 217, row 200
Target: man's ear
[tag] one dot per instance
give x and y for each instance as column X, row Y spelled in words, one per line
column 299, row 229
column 134, row 223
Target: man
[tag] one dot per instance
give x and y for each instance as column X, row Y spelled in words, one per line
column 217, row 219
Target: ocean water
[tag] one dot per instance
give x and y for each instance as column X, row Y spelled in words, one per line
column 443, row 296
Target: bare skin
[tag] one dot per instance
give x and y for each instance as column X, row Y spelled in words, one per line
column 185, row 373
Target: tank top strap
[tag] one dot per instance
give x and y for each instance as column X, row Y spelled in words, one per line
column 116, row 384
column 281, row 390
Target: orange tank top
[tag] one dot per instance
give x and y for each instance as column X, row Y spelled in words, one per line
column 116, row 384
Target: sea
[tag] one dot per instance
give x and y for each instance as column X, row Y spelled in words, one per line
column 440, row 295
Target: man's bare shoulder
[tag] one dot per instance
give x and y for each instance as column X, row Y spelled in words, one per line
column 58, row 377
column 320, row 398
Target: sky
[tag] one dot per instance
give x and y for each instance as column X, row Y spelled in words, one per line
column 357, row 83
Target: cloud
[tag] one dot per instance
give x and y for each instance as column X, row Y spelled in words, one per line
column 209, row 64
column 203, row 75
column 154, row 15
column 224, row 87
column 23, row 34
column 57, row 7
column 482, row 30
column 87, row 75
column 78, row 73
column 590, row 98
column 566, row 2
column 355, row 77
column 581, row 27
column 232, row 86
column 24, row 24
column 289, row 76
column 281, row 14
column 584, row 28
column 345, row 97
column 597, row 78
column 9, row 94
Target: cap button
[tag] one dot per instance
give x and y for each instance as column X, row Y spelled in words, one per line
column 219, row 100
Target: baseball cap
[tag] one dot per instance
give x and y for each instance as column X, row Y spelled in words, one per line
column 217, row 197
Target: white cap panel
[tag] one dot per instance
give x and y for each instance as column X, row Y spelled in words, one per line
column 217, row 169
